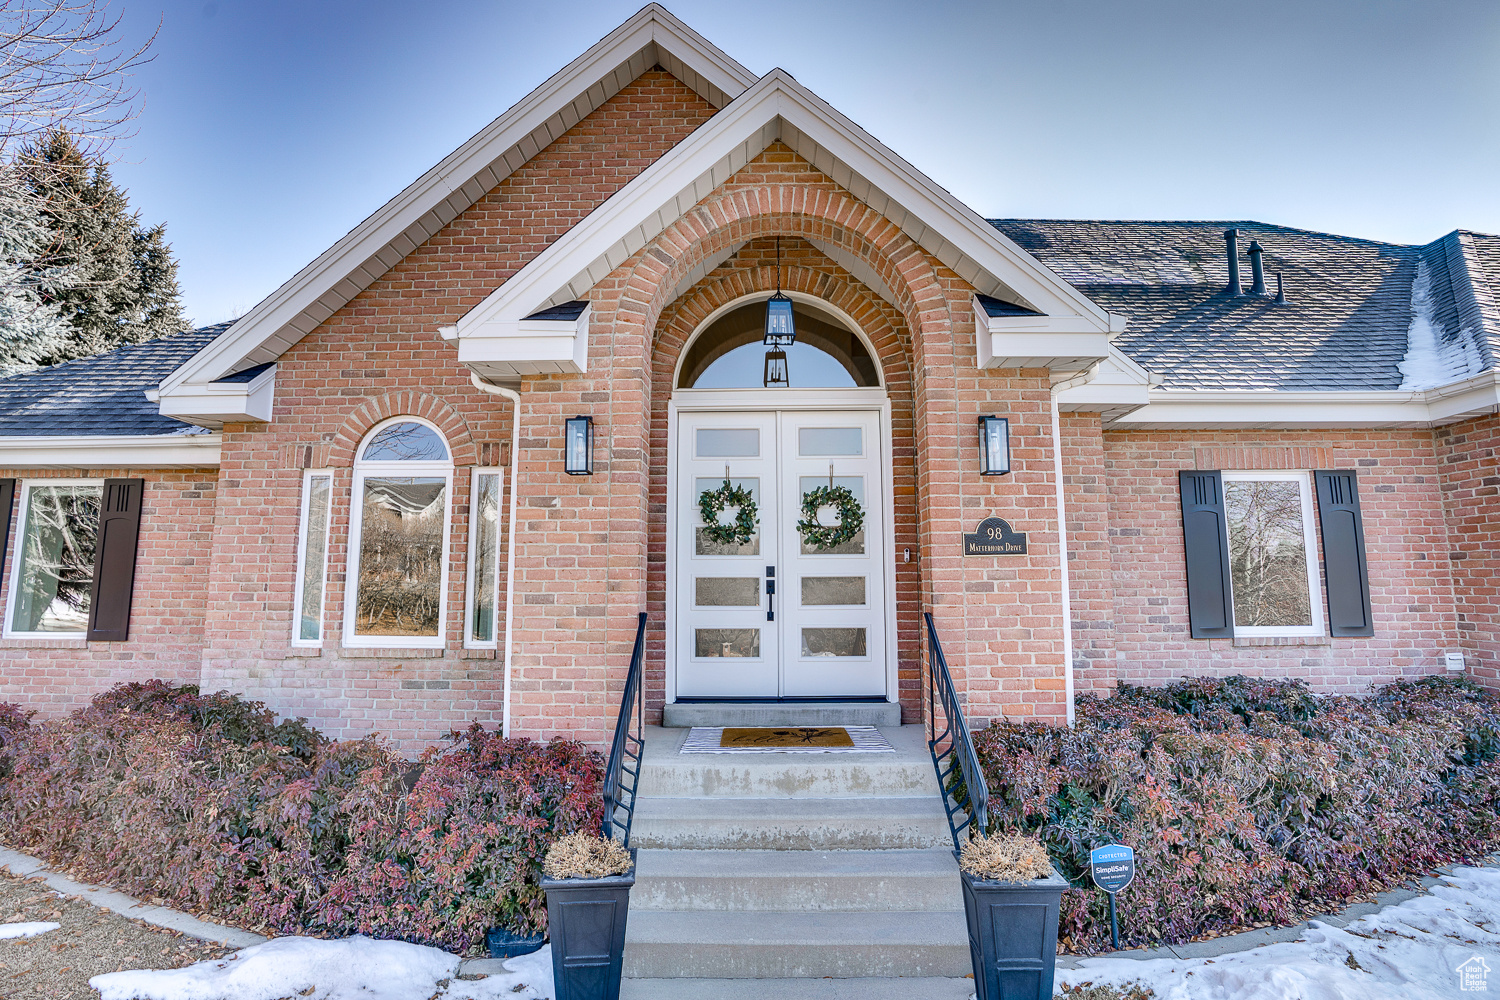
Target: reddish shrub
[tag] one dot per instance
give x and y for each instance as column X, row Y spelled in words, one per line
column 212, row 805
column 1250, row 801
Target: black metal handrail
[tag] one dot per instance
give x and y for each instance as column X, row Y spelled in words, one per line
column 953, row 757
column 626, row 746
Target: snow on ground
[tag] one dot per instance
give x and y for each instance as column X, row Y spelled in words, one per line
column 26, row 930
column 1441, row 945
column 355, row 968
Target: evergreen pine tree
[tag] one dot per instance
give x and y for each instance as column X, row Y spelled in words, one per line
column 31, row 329
column 122, row 284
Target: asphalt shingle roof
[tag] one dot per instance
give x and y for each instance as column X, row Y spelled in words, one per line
column 1345, row 325
column 102, row 395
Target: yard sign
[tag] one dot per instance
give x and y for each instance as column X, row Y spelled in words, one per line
column 1112, row 868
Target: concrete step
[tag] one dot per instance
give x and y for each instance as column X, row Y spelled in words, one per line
column 923, row 880
column 872, row 823
column 670, row 944
column 889, row 988
column 908, row 771
column 759, row 713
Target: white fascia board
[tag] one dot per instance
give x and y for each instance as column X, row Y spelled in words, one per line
column 505, row 137
column 505, row 349
column 166, row 451
column 671, row 186
column 213, row 404
column 1058, row 343
column 1211, row 408
column 1115, row 386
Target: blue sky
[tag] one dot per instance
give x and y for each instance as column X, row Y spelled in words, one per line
column 270, row 128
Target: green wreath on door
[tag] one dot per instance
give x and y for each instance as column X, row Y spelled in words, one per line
column 828, row 536
column 712, row 503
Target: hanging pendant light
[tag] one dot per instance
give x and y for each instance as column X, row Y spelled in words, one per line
column 776, row 375
column 781, row 326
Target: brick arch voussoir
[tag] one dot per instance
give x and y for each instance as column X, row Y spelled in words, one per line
column 737, row 216
column 404, row 404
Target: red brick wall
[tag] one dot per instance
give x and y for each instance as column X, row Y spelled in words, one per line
column 379, row 355
column 1467, row 455
column 1406, row 541
column 1090, row 559
column 56, row 676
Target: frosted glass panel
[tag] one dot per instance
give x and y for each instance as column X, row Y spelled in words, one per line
column 828, row 515
column 705, row 546
column 825, row 590
column 726, row 591
column 740, row 642
column 815, row 441
column 833, row 642
column 727, row 442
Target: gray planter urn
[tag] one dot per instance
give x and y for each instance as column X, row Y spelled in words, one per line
column 1012, row 936
column 586, row 924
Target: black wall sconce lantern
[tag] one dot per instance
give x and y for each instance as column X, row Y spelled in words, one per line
column 994, row 446
column 578, row 446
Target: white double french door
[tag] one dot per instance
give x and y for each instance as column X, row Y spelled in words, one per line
column 776, row 616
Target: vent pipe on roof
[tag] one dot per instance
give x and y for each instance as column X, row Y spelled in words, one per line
column 1280, row 295
column 1231, row 237
column 1257, row 270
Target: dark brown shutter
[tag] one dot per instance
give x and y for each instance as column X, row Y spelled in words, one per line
column 7, row 505
column 1205, row 536
column 1348, row 579
column 114, row 560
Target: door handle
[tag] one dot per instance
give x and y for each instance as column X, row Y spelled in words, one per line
column 770, row 593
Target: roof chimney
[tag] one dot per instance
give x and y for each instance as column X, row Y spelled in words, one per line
column 1231, row 237
column 1257, row 271
column 1280, row 295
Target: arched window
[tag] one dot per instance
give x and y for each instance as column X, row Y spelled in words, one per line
column 398, row 537
column 730, row 354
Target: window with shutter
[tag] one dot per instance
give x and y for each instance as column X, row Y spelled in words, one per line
column 1344, row 567
column 114, row 560
column 1206, row 544
column 51, row 581
column 1273, row 576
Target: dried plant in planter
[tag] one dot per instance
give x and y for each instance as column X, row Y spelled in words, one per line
column 1007, row 858
column 582, row 855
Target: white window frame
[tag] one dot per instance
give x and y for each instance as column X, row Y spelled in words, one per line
column 19, row 548
column 364, row 470
column 1310, row 549
column 308, row 476
column 471, row 590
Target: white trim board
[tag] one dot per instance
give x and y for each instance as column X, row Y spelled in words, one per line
column 653, row 35
column 163, row 451
column 1212, row 408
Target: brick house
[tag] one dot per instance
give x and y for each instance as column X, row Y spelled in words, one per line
column 355, row 501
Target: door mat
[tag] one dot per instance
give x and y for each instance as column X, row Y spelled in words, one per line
column 786, row 739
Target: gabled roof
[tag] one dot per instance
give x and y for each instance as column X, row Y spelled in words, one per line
column 775, row 108
column 1346, row 325
column 101, row 396
column 651, row 37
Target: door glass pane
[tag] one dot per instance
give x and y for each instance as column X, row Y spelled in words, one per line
column 726, row 591
column 828, row 515
column 740, row 642
column 57, row 559
column 1267, row 553
column 706, row 546
column 833, row 642
column 817, row 441
column 315, row 556
column 727, row 442
column 822, row 590
column 486, row 528
column 400, row 556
